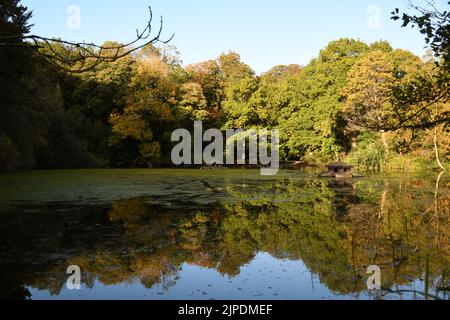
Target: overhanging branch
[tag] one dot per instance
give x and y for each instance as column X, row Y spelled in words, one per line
column 82, row 56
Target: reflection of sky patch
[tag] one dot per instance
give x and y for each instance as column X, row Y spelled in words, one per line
column 264, row 278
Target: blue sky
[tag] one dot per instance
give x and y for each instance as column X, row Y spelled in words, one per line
column 265, row 33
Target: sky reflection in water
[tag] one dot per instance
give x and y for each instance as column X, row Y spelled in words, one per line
column 231, row 235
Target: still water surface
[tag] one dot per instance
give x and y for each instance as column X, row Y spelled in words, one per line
column 231, row 234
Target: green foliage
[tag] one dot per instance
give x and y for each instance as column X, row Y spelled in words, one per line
column 369, row 154
column 15, row 65
column 232, row 69
column 150, row 110
column 193, row 102
column 39, row 106
column 383, row 46
column 312, row 125
column 371, row 158
column 433, row 24
column 122, row 113
column 208, row 75
column 368, row 91
column 408, row 163
column 237, row 106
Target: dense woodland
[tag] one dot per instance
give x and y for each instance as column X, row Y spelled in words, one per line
column 375, row 106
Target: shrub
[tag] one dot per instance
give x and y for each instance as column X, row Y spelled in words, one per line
column 371, row 157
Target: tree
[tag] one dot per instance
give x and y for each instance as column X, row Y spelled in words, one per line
column 31, row 103
column 15, row 64
column 150, row 113
column 388, row 92
column 232, row 69
column 14, row 20
column 90, row 98
column 239, row 83
column 434, row 24
column 280, row 72
column 209, row 76
column 311, row 124
column 193, row 102
column 368, row 92
column 237, row 107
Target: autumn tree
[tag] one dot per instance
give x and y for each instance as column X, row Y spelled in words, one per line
column 368, row 92
column 387, row 92
column 150, row 109
column 206, row 77
column 209, row 76
column 434, row 24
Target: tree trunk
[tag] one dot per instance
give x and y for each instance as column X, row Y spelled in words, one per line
column 384, row 140
column 383, row 201
column 436, row 149
column 436, row 208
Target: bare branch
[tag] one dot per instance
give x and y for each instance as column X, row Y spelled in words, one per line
column 81, row 56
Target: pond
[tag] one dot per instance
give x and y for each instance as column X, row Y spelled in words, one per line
column 222, row 234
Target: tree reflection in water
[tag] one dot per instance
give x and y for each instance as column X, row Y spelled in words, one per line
column 337, row 228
